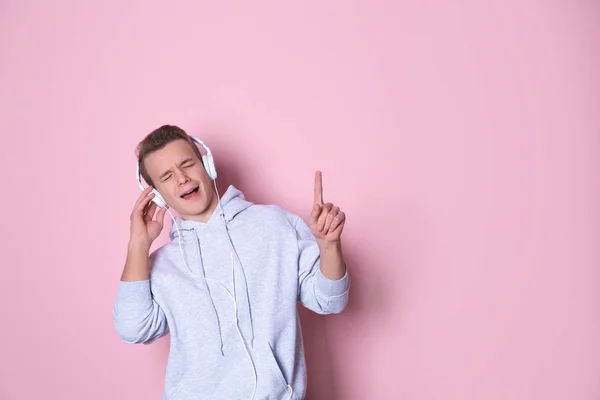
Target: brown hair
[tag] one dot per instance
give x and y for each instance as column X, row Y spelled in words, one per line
column 158, row 139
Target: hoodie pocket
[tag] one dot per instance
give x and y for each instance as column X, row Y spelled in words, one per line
column 172, row 389
column 276, row 380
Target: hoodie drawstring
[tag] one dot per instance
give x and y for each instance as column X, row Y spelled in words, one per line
column 249, row 308
column 212, row 302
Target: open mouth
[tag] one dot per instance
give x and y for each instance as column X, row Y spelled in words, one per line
column 190, row 194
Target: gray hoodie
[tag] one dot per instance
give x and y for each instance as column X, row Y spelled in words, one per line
column 231, row 307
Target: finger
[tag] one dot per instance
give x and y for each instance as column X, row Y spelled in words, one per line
column 139, row 210
column 318, row 196
column 323, row 216
column 314, row 214
column 329, row 219
column 149, row 211
column 142, row 196
column 338, row 222
column 142, row 200
column 160, row 215
column 338, row 231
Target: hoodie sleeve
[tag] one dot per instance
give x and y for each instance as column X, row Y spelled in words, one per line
column 316, row 292
column 137, row 317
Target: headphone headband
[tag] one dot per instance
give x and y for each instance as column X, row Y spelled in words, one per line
column 201, row 143
column 138, row 176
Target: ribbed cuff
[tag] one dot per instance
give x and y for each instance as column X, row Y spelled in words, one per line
column 332, row 288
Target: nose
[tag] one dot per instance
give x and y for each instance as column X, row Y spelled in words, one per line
column 182, row 178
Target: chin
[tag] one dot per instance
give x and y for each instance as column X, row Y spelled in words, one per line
column 195, row 208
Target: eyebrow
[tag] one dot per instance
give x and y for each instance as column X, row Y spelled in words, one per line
column 169, row 171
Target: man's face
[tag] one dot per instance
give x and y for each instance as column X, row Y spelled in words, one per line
column 181, row 179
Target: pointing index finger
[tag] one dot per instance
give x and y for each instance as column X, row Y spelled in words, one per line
column 318, row 188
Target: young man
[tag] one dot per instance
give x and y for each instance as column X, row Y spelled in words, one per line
column 227, row 284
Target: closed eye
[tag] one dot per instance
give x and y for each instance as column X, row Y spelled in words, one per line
column 166, row 178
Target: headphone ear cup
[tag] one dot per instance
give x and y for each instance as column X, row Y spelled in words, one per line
column 158, row 199
column 209, row 166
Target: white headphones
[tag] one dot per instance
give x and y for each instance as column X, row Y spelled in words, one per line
column 207, row 160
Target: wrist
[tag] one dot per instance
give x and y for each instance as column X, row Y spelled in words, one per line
column 332, row 263
column 136, row 263
column 136, row 246
column 330, row 246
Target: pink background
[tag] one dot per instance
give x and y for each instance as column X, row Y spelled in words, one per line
column 461, row 138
